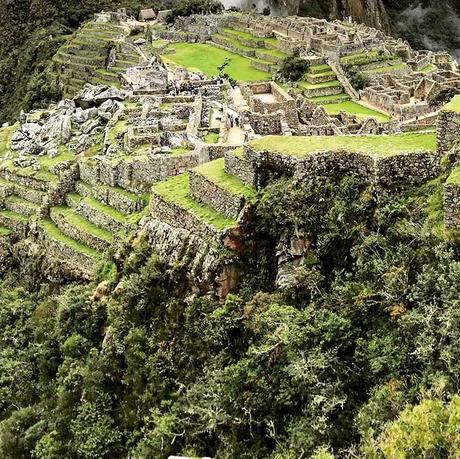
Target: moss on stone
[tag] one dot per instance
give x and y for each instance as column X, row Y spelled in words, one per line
column 454, row 177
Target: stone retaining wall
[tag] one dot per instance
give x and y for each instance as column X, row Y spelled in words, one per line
column 452, row 206
column 174, row 215
column 448, row 132
column 65, row 259
column 218, row 198
column 380, row 170
column 75, row 233
column 98, row 218
column 240, row 167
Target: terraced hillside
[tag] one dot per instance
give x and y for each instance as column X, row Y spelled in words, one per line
column 97, row 53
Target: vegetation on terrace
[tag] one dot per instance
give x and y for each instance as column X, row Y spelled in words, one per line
column 176, row 191
column 453, row 105
column 383, row 145
column 53, row 232
column 355, row 108
column 214, row 172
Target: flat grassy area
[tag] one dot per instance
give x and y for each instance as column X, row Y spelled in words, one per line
column 428, row 68
column 211, row 137
column 336, row 98
column 355, row 109
column 176, row 191
column 327, row 84
column 54, row 232
column 206, row 58
column 384, row 145
column 453, row 105
column 214, row 172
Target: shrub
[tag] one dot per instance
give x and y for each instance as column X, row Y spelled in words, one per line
column 293, row 67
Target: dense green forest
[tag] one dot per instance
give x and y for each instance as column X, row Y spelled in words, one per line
column 360, row 360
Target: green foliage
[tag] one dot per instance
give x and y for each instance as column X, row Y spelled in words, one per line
column 293, row 67
column 429, row 429
column 358, row 79
column 137, row 367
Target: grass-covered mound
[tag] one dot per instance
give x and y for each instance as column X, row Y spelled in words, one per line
column 206, row 58
column 384, row 145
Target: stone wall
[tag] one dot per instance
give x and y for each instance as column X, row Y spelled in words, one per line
column 177, row 217
column 377, row 169
column 452, row 206
column 217, row 197
column 448, row 132
column 240, row 167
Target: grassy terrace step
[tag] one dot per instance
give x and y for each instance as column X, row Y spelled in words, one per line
column 234, row 42
column 355, row 109
column 12, row 220
column 242, row 34
column 365, row 58
column 53, row 232
column 327, row 84
column 99, row 206
column 383, row 145
column 215, row 173
column 330, row 99
column 4, row 231
column 319, row 68
column 21, row 206
column 176, row 189
column 82, row 224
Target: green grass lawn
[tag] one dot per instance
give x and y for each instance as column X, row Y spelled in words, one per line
column 4, row 231
column 214, row 172
column 385, row 145
column 453, row 105
column 211, row 137
column 428, row 68
column 176, row 191
column 355, row 109
column 206, row 58
column 336, row 98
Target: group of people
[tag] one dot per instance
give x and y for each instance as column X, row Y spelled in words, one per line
column 234, row 120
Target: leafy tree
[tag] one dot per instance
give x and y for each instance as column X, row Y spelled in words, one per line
column 293, row 67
